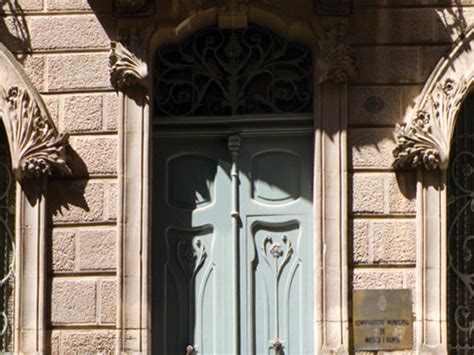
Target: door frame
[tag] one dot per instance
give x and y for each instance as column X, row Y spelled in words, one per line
column 331, row 332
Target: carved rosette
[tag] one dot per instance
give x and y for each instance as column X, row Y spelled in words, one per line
column 35, row 146
column 425, row 140
column 336, row 60
column 126, row 69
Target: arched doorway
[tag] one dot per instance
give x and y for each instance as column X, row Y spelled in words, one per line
column 232, row 241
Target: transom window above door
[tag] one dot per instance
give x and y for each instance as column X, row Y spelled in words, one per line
column 219, row 72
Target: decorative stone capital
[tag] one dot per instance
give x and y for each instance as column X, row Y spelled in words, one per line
column 336, row 60
column 425, row 140
column 35, row 146
column 126, row 69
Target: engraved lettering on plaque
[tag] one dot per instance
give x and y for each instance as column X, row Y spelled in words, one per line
column 382, row 319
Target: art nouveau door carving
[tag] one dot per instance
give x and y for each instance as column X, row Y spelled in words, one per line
column 232, row 245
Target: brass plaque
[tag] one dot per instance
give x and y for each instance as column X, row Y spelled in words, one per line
column 382, row 319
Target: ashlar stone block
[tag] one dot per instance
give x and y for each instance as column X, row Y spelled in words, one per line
column 74, row 301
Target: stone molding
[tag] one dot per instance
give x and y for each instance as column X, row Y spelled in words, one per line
column 424, row 140
column 232, row 14
column 36, row 148
column 330, row 178
column 336, row 59
column 126, row 69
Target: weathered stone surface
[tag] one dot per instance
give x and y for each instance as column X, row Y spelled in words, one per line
column 402, row 193
column 394, row 242
column 95, row 155
column 367, row 193
column 55, row 33
column 64, row 251
column 389, row 64
column 389, row 103
column 111, row 112
column 86, row 341
column 111, row 202
column 82, row 113
column 73, row 301
column 429, row 57
column 52, row 105
column 79, row 5
column 359, row 233
column 392, row 25
column 78, row 72
column 108, row 301
column 371, row 147
column 78, row 201
column 34, row 68
column 97, row 250
column 377, row 278
column 21, row 5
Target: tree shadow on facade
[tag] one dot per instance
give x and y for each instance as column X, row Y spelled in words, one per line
column 14, row 32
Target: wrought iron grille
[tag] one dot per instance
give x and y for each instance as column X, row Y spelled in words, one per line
column 218, row 72
column 7, row 246
column 460, row 179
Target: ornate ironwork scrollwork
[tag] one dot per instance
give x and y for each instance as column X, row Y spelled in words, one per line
column 219, row 72
column 460, row 234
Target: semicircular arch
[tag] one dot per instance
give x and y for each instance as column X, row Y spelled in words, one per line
column 36, row 147
column 425, row 139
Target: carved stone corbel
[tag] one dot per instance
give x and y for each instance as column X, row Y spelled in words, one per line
column 336, row 61
column 126, row 69
column 233, row 13
column 425, row 140
column 36, row 148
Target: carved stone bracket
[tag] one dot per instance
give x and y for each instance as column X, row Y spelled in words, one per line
column 126, row 69
column 425, row 140
column 336, row 60
column 35, row 146
column 233, row 13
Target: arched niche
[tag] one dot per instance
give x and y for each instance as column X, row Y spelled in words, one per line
column 36, row 150
column 424, row 143
column 131, row 62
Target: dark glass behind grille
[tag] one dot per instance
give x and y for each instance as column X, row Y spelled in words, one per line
column 460, row 178
column 7, row 248
column 218, row 72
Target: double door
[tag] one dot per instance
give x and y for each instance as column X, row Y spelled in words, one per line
column 232, row 245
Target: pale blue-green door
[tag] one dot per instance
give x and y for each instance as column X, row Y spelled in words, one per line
column 232, row 245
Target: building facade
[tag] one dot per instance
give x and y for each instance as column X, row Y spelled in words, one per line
column 224, row 176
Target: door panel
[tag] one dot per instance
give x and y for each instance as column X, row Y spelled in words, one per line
column 277, row 248
column 212, row 286
column 191, row 232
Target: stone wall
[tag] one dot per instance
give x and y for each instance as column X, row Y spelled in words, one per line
column 397, row 44
column 63, row 46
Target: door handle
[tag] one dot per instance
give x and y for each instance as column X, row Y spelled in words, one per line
column 277, row 346
column 189, row 350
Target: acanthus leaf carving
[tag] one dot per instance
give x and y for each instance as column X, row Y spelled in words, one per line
column 126, row 69
column 36, row 148
column 336, row 59
column 425, row 140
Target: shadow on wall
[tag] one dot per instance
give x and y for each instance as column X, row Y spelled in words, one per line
column 14, row 32
column 396, row 50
